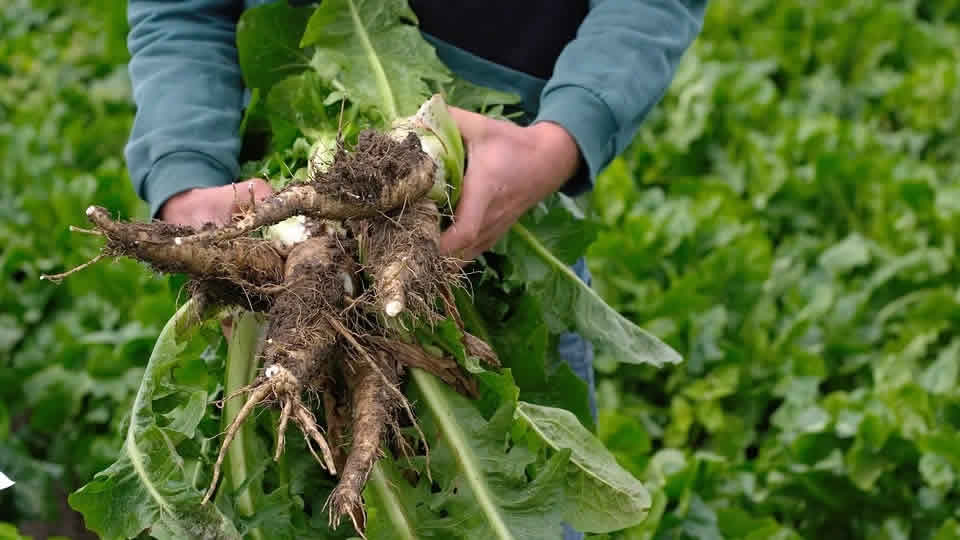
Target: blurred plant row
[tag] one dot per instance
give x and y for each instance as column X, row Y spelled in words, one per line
column 71, row 355
column 788, row 220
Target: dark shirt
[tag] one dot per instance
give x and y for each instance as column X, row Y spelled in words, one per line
column 527, row 36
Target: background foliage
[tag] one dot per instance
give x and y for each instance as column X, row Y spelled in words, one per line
column 70, row 355
column 785, row 219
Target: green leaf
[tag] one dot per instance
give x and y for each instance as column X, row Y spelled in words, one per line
column 525, row 346
column 937, row 471
column 9, row 532
column 268, row 38
column 34, row 493
column 736, row 523
column 569, row 301
column 479, row 99
column 700, row 522
column 602, row 495
column 719, row 383
column 517, row 475
column 950, row 530
column 940, row 377
column 384, row 63
column 391, row 512
column 185, row 417
column 298, row 100
column 11, row 332
column 846, row 255
column 147, row 487
column 494, row 499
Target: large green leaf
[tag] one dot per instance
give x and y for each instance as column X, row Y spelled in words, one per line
column 602, row 496
column 493, row 497
column 268, row 43
column 483, row 469
column 567, row 301
column 383, row 62
column 526, row 346
column 148, row 488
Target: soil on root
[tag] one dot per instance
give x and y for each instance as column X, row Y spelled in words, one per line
column 299, row 332
column 249, row 262
column 299, row 342
column 214, row 293
column 400, row 251
column 377, row 169
column 378, row 175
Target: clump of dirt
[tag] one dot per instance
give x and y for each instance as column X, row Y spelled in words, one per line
column 376, row 169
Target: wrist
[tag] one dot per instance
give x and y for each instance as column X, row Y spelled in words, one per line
column 178, row 204
column 558, row 149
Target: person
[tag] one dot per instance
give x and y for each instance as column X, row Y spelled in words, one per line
column 588, row 72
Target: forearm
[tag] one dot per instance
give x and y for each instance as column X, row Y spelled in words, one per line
column 612, row 74
column 188, row 90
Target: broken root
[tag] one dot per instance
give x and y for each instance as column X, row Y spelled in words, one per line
column 401, row 253
column 380, row 174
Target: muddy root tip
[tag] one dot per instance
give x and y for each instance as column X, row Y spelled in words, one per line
column 347, row 502
column 393, row 308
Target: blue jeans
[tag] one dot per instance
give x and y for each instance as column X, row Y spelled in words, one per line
column 578, row 353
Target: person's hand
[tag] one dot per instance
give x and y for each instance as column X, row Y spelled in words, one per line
column 198, row 206
column 510, row 169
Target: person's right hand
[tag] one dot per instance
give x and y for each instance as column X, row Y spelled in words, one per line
column 198, row 206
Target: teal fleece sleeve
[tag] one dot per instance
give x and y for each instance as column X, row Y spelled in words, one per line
column 611, row 75
column 188, row 90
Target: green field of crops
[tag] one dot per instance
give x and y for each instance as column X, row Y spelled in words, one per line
column 787, row 220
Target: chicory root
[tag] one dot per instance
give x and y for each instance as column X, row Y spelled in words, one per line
column 379, row 175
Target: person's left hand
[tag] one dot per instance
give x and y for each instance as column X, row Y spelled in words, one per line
column 511, row 168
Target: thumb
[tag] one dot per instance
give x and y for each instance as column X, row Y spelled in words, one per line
column 471, row 124
column 248, row 193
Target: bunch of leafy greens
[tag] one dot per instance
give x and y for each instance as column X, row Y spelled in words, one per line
column 514, row 464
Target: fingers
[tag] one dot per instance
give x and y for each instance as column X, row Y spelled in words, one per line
column 199, row 206
column 248, row 193
column 459, row 239
column 471, row 124
column 488, row 238
column 469, row 236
